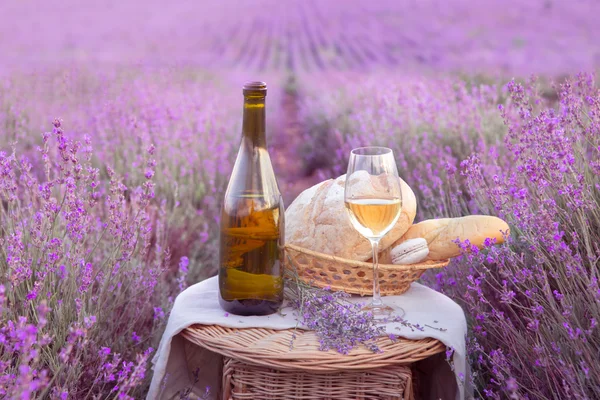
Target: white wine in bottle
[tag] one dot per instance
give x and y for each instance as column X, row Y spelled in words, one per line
column 252, row 221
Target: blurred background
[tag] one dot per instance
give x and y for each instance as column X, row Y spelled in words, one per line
column 300, row 48
column 511, row 37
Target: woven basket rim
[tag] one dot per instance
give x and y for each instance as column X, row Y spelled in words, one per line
column 425, row 265
column 250, row 345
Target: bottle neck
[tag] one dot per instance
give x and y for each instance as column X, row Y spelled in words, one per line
column 253, row 127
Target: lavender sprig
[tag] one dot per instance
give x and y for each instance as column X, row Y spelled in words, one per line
column 340, row 324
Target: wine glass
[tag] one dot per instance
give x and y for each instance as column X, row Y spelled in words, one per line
column 373, row 200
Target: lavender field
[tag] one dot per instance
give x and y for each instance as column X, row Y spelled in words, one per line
column 119, row 126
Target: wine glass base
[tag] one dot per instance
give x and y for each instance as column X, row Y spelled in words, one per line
column 384, row 312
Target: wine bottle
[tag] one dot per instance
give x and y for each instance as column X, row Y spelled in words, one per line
column 252, row 221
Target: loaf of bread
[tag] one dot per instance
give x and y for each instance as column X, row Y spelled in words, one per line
column 442, row 233
column 317, row 220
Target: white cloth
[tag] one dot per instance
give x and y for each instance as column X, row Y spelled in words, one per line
column 176, row 358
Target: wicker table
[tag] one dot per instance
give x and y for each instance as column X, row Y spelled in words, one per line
column 259, row 364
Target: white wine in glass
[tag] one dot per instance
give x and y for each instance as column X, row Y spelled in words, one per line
column 373, row 200
column 372, row 216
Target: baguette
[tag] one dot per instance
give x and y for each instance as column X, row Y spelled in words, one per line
column 441, row 233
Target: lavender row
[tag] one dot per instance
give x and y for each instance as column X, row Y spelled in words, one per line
column 104, row 218
column 528, row 152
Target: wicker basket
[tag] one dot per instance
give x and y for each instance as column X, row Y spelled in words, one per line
column 243, row 381
column 351, row 276
column 259, row 364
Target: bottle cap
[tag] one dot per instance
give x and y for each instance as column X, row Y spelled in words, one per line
column 255, row 88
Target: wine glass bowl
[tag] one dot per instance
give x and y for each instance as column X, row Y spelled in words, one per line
column 373, row 200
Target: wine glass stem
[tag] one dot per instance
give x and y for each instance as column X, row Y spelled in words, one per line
column 376, row 294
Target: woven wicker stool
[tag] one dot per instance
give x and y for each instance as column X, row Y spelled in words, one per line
column 258, row 364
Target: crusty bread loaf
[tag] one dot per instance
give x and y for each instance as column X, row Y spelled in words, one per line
column 441, row 233
column 317, row 220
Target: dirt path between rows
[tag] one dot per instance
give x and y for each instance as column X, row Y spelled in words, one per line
column 287, row 161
